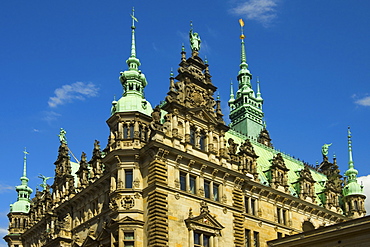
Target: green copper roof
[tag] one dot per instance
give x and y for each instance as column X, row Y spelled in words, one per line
column 133, row 82
column 352, row 187
column 266, row 154
column 22, row 205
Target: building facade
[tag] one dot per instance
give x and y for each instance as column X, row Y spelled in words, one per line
column 177, row 175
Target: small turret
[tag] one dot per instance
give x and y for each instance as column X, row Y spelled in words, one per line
column 19, row 211
column 133, row 82
column 353, row 192
column 22, row 205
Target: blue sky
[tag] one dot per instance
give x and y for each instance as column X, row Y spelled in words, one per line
column 60, row 62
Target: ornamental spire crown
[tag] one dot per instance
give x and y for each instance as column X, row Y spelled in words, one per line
column 22, row 205
column 133, row 82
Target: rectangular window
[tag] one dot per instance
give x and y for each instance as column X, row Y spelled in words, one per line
column 125, row 132
column 281, row 215
column 216, row 191
column 129, row 239
column 201, row 239
column 202, row 141
column 279, row 235
column 250, row 205
column 256, row 239
column 128, row 178
column 247, row 238
column 183, row 181
column 193, row 181
column 207, row 187
column 253, row 206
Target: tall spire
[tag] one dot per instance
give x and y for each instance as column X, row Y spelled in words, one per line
column 22, row 205
column 246, row 113
column 244, row 75
column 351, row 173
column 353, row 192
column 133, row 45
column 133, row 82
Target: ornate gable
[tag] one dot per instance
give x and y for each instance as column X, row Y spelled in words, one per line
column 279, row 173
column 203, row 222
column 248, row 159
column 305, row 185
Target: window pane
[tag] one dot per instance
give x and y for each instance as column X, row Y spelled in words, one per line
column 129, row 244
column 207, row 193
column 192, row 184
column 206, row 240
column 128, row 178
column 215, row 192
column 125, row 132
column 196, row 238
column 247, row 238
column 256, row 241
column 192, row 136
column 246, row 202
column 202, row 142
column 253, row 206
column 182, row 181
column 129, row 235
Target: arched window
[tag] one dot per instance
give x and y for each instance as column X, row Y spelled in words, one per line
column 307, row 226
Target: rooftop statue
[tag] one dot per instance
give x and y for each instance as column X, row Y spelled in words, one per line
column 194, row 40
column 62, row 136
column 44, row 179
column 325, row 149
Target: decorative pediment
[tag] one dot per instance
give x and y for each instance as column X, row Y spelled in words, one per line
column 204, row 222
column 130, row 221
column 305, row 174
column 278, row 162
column 247, row 148
column 202, row 113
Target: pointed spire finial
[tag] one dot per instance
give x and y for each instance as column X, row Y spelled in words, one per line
column 350, row 159
column 232, row 98
column 25, row 163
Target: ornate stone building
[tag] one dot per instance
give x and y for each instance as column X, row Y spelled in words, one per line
column 176, row 175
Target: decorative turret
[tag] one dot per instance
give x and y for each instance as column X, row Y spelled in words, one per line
column 133, row 82
column 18, row 215
column 246, row 113
column 353, row 193
column 22, row 205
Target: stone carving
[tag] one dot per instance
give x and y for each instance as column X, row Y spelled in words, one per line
column 232, row 146
column 127, row 202
column 325, row 149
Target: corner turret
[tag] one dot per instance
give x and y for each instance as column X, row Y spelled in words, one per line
column 18, row 215
column 353, row 192
column 133, row 82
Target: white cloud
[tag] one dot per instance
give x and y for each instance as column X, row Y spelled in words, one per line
column 3, row 231
column 6, row 188
column 365, row 180
column 50, row 116
column 263, row 11
column 364, row 101
column 75, row 91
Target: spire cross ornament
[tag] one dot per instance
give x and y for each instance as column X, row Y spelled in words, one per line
column 25, row 162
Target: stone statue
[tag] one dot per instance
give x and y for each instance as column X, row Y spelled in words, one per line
column 44, row 179
column 325, row 149
column 194, row 40
column 62, row 136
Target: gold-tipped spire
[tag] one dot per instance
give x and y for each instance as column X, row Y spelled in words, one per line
column 241, row 22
